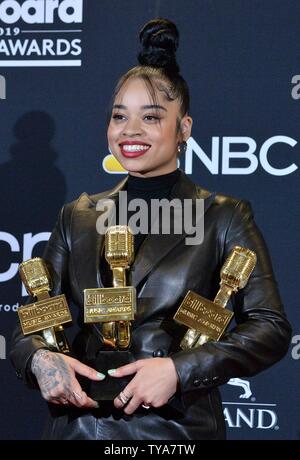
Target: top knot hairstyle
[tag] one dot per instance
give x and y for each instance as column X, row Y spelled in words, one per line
column 159, row 39
column 158, row 66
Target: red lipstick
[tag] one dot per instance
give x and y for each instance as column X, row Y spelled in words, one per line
column 134, row 149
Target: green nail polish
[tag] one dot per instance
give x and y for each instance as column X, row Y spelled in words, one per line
column 111, row 371
column 100, row 376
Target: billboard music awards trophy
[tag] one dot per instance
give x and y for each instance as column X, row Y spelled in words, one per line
column 208, row 320
column 112, row 309
column 48, row 314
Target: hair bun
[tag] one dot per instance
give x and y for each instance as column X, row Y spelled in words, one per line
column 159, row 38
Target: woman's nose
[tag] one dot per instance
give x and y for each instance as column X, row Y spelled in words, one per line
column 132, row 128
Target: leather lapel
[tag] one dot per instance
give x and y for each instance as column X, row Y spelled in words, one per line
column 87, row 242
column 155, row 247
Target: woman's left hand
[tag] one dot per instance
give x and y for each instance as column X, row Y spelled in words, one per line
column 153, row 385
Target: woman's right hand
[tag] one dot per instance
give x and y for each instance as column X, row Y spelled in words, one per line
column 56, row 376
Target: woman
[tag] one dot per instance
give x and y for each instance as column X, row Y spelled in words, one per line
column 172, row 393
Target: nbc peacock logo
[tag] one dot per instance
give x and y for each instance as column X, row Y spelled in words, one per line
column 111, row 165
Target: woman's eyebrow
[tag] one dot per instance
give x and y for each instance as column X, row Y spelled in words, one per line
column 154, row 106
column 144, row 107
column 119, row 106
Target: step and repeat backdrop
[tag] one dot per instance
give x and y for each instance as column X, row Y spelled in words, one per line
column 59, row 61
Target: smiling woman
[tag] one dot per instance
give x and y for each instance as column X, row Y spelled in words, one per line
column 168, row 393
column 144, row 135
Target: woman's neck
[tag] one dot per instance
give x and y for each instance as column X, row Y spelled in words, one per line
column 163, row 181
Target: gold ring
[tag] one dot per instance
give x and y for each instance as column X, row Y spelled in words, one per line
column 123, row 398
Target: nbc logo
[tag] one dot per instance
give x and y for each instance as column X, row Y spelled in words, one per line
column 223, row 154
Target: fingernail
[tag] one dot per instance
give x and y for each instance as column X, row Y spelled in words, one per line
column 111, row 371
column 100, row 376
column 97, row 405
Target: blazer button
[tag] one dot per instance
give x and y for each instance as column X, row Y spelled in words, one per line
column 196, row 382
column 18, row 374
column 158, row 353
column 206, row 381
column 215, row 379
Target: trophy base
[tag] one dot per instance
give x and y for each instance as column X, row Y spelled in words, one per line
column 110, row 387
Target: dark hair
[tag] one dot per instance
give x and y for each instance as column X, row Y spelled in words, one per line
column 159, row 39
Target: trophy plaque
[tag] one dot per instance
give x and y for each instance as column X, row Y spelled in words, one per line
column 208, row 320
column 113, row 309
column 48, row 314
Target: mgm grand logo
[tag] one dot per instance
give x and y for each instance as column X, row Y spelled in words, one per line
column 247, row 412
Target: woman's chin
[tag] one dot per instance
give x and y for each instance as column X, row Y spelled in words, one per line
column 131, row 165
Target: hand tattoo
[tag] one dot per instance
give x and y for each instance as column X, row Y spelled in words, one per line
column 53, row 374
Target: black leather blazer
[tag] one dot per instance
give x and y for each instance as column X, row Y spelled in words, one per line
column 164, row 269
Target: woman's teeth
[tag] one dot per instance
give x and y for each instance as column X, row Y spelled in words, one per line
column 134, row 148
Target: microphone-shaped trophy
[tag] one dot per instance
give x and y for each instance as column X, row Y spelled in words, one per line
column 48, row 314
column 113, row 309
column 208, row 320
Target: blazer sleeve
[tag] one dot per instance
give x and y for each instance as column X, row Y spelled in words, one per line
column 262, row 333
column 23, row 347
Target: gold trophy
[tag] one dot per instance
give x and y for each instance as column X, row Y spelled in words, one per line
column 113, row 309
column 208, row 320
column 48, row 314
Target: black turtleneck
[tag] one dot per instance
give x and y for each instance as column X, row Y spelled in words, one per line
column 149, row 188
column 156, row 187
